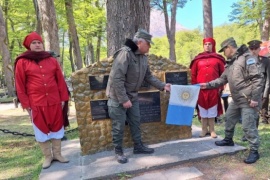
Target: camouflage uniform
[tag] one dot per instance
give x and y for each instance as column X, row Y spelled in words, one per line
column 265, row 70
column 245, row 82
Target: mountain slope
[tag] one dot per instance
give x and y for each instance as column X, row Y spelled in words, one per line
column 157, row 24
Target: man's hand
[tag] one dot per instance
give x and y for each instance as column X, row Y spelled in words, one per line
column 253, row 103
column 127, row 104
column 167, row 87
column 220, row 92
column 63, row 104
column 203, row 85
column 29, row 111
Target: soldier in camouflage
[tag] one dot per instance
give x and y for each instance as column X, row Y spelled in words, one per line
column 130, row 68
column 246, row 84
column 263, row 63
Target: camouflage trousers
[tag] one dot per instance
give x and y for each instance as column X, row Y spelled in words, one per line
column 119, row 115
column 264, row 111
column 249, row 116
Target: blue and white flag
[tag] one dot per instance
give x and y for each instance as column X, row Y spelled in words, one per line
column 182, row 103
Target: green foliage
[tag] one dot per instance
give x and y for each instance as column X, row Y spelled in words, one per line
column 160, row 47
column 66, row 64
column 124, row 176
column 20, row 19
column 248, row 12
column 241, row 35
column 90, row 19
column 89, row 15
column 189, row 43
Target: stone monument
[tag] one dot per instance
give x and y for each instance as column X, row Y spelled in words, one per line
column 94, row 125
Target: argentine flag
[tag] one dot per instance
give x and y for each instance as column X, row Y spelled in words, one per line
column 183, row 99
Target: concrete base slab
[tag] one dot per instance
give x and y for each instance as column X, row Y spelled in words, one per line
column 103, row 165
column 184, row 173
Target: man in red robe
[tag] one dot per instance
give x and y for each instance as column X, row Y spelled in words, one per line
column 42, row 91
column 207, row 66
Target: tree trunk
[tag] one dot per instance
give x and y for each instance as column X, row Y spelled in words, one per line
column 266, row 24
column 7, row 68
column 170, row 29
column 11, row 46
column 207, row 18
column 49, row 26
column 98, row 47
column 124, row 18
column 63, row 50
column 38, row 18
column 73, row 32
column 99, row 34
column 265, row 30
column 89, row 53
column 70, row 55
column 6, row 3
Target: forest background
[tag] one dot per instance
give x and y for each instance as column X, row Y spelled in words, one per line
column 85, row 21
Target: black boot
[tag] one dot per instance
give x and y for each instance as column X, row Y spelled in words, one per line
column 225, row 142
column 252, row 157
column 139, row 148
column 244, row 138
column 121, row 158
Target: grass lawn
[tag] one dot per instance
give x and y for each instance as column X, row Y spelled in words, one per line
column 259, row 170
column 21, row 158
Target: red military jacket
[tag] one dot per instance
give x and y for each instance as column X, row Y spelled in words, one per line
column 40, row 84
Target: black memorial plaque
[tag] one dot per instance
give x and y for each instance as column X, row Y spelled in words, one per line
column 98, row 82
column 176, row 78
column 150, row 107
column 99, row 109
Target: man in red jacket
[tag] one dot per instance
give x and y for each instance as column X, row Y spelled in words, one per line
column 42, row 91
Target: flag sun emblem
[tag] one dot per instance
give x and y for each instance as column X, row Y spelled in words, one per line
column 185, row 95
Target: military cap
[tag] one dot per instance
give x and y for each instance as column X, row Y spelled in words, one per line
column 254, row 44
column 225, row 43
column 141, row 33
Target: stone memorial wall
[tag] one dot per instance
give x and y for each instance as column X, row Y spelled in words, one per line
column 94, row 125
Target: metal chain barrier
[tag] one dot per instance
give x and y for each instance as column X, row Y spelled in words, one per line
column 26, row 134
column 15, row 133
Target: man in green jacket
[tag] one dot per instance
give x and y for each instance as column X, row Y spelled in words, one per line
column 246, row 83
column 130, row 68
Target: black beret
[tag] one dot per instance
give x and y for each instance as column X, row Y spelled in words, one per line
column 254, row 44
